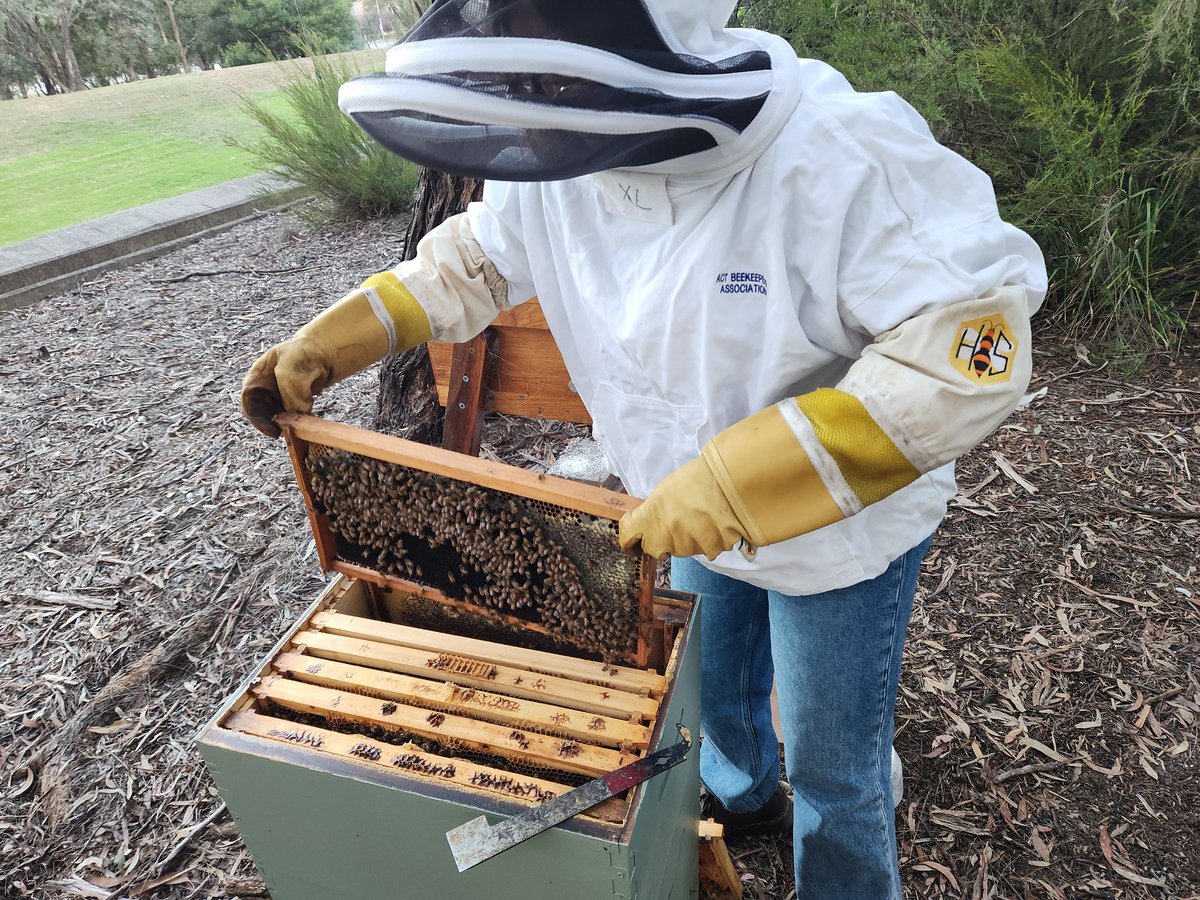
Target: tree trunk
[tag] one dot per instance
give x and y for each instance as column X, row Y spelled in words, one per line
column 408, row 404
column 47, row 79
column 57, row 70
column 71, row 66
column 183, row 59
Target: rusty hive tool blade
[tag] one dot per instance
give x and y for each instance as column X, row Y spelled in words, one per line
column 476, row 841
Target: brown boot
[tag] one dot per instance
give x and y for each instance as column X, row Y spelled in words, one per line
column 773, row 817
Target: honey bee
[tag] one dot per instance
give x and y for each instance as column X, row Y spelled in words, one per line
column 366, row 751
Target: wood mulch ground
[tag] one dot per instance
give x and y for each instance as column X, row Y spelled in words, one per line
column 155, row 547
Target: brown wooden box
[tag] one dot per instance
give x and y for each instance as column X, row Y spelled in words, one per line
column 526, row 375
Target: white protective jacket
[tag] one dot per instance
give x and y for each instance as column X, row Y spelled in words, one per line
column 832, row 244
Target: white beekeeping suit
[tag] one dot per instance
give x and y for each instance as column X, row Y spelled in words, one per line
column 778, row 289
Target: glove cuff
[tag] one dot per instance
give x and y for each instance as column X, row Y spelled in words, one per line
column 362, row 328
column 769, row 480
column 398, row 311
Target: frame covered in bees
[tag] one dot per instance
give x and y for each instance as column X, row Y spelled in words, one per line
column 485, row 647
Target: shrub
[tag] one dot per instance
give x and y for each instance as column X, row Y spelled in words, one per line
column 324, row 151
column 1087, row 117
column 1108, row 208
column 243, row 53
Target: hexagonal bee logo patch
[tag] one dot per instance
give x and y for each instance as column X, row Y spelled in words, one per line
column 984, row 350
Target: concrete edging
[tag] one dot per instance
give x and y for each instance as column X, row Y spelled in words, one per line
column 60, row 260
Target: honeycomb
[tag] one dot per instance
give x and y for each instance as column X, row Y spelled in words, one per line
column 500, row 553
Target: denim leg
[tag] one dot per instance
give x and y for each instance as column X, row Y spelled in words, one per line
column 837, row 658
column 739, row 756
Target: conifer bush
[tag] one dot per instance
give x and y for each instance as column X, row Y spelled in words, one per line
column 323, row 150
column 1085, row 114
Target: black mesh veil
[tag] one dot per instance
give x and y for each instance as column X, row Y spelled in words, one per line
column 541, row 90
column 616, row 25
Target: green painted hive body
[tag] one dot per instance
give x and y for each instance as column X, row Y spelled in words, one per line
column 322, row 826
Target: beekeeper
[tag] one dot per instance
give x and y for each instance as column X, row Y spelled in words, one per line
column 787, row 309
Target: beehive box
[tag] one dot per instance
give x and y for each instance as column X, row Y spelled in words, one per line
column 484, row 647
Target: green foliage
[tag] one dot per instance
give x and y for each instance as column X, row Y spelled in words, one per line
column 322, row 149
column 241, row 53
column 116, row 40
column 252, row 31
column 1106, row 205
column 16, row 69
column 69, row 45
column 1086, row 114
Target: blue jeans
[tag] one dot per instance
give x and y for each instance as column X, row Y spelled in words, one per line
column 835, row 658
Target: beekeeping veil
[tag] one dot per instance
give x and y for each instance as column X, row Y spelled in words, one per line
column 541, row 90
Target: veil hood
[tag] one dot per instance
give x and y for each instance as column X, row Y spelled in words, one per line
column 543, row 90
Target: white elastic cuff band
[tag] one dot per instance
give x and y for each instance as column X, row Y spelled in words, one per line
column 824, row 464
column 384, row 317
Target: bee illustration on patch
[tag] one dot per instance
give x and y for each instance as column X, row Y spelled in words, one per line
column 981, row 362
column 984, row 350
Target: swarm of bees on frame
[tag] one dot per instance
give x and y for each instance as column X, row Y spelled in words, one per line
column 547, row 565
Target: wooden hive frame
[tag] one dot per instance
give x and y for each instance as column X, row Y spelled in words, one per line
column 556, row 719
column 301, row 431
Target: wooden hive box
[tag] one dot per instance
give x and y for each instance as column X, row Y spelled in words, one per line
column 525, row 374
column 484, row 647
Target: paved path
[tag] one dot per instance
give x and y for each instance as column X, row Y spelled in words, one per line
column 59, row 260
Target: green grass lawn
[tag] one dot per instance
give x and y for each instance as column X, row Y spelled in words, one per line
column 73, row 157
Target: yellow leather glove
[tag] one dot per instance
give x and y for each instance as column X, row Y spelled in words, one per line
column 753, row 482
column 346, row 338
column 686, row 514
